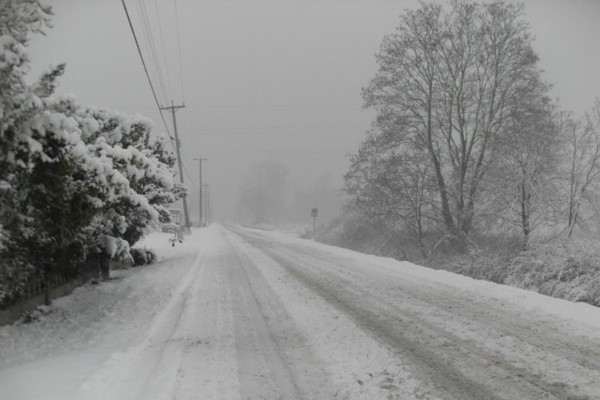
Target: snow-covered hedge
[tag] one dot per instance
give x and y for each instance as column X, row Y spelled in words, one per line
column 567, row 269
column 75, row 181
column 142, row 256
column 563, row 268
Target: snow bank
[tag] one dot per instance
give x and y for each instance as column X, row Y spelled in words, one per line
column 581, row 313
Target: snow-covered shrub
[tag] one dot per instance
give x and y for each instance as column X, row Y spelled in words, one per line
column 18, row 147
column 12, row 283
column 369, row 235
column 75, row 182
column 569, row 269
column 563, row 268
column 477, row 264
column 142, row 256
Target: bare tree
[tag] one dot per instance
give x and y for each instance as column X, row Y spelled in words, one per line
column 526, row 174
column 447, row 80
column 393, row 182
column 583, row 170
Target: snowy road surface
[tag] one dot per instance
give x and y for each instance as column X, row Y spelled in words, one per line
column 245, row 314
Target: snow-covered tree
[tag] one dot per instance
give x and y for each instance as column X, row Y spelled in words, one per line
column 524, row 186
column 18, row 20
column 392, row 181
column 132, row 175
column 447, row 79
column 75, row 181
column 444, row 94
column 583, row 164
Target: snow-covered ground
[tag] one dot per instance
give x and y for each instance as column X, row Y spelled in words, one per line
column 237, row 313
column 56, row 356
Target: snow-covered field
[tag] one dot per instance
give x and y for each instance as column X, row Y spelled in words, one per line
column 237, row 313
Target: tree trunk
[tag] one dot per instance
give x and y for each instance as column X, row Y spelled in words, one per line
column 47, row 289
column 525, row 214
column 104, row 267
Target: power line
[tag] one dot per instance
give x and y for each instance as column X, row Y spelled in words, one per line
column 137, row 45
column 189, row 176
column 162, row 43
column 146, row 42
column 185, row 170
column 278, row 130
column 291, row 152
column 150, row 42
column 159, row 70
column 229, row 108
column 282, row 107
column 189, row 117
column 184, row 154
column 179, row 48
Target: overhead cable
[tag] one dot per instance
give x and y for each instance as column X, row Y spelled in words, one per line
column 150, row 43
column 162, row 45
column 137, row 45
column 179, row 49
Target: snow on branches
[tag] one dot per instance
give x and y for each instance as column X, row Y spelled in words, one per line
column 75, row 181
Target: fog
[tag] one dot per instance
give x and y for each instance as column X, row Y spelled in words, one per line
column 455, row 254
column 269, row 195
column 271, row 81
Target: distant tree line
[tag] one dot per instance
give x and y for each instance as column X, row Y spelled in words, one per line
column 268, row 194
column 467, row 138
column 75, row 181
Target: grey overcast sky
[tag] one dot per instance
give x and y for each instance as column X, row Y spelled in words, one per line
column 272, row 80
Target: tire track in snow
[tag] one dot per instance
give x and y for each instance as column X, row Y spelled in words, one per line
column 392, row 330
column 455, row 365
column 263, row 373
column 356, row 364
column 582, row 351
column 208, row 367
column 240, row 341
column 460, row 359
column 148, row 369
column 567, row 365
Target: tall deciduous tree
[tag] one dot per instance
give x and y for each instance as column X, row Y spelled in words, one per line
column 583, row 168
column 390, row 181
column 447, row 79
column 525, row 179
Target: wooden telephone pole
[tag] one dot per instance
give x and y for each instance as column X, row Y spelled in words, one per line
column 172, row 108
column 207, row 202
column 200, row 186
column 314, row 213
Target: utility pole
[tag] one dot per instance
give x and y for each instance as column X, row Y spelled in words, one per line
column 208, row 218
column 174, row 108
column 314, row 213
column 200, row 186
column 207, row 204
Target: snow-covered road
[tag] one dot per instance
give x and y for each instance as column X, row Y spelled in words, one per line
column 245, row 314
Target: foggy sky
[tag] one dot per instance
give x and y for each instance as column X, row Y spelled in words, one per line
column 273, row 80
